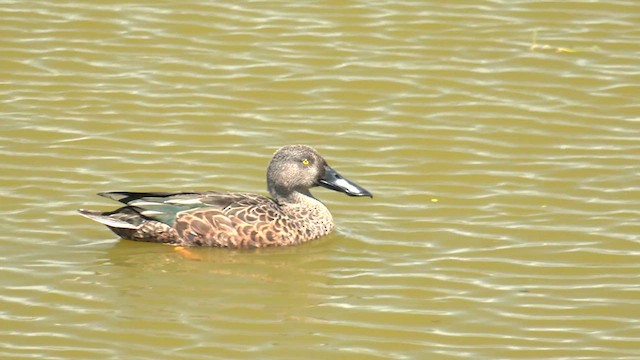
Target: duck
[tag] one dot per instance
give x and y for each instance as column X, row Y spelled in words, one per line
column 291, row 215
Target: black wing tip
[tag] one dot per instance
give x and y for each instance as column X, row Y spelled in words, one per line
column 111, row 194
column 122, row 196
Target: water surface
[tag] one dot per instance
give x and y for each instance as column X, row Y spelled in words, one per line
column 505, row 171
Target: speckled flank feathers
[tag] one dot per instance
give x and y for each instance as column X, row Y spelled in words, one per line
column 235, row 220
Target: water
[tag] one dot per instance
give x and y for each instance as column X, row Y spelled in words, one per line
column 504, row 223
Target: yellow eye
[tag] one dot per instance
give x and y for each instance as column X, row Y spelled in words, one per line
column 305, row 162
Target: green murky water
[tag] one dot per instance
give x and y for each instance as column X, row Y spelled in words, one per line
column 505, row 220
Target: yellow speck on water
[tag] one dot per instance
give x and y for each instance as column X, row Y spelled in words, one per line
column 559, row 50
column 434, row 200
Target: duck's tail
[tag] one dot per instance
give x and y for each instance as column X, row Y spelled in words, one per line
column 128, row 223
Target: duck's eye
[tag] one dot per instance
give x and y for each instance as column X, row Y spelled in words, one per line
column 305, row 162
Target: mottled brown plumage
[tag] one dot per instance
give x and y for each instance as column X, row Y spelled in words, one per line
column 235, row 220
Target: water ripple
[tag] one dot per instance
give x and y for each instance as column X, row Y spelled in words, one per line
column 504, row 220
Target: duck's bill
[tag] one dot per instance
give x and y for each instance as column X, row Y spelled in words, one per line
column 334, row 181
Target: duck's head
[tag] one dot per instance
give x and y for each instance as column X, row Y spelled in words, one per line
column 297, row 168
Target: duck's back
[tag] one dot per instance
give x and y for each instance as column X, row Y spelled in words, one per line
column 218, row 219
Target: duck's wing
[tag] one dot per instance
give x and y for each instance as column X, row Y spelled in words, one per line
column 129, row 198
column 164, row 206
column 204, row 219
